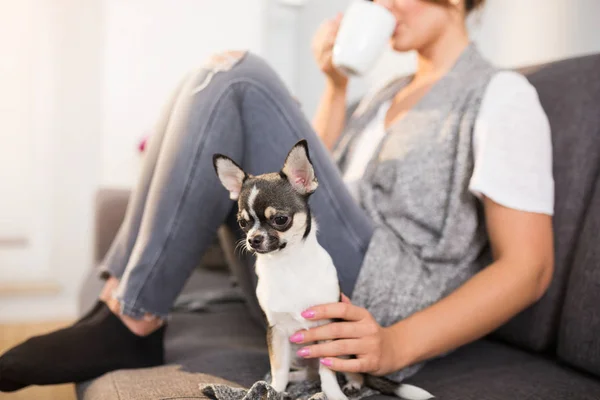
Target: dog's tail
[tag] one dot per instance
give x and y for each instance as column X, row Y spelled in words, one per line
column 402, row 390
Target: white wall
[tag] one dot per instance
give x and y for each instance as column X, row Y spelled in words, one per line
column 17, row 138
column 62, row 158
column 149, row 46
column 514, row 32
column 89, row 83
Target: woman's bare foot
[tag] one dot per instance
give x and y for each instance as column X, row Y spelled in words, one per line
column 143, row 327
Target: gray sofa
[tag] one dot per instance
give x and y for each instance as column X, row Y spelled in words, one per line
column 550, row 351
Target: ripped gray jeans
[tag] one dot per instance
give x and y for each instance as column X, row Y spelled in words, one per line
column 235, row 105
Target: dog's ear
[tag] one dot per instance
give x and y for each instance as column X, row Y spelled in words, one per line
column 299, row 170
column 230, row 174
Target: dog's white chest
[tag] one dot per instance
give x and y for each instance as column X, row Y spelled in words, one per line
column 288, row 285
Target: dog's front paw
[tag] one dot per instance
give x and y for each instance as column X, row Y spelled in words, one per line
column 279, row 383
column 278, row 386
column 335, row 394
column 333, row 391
column 351, row 388
column 354, row 383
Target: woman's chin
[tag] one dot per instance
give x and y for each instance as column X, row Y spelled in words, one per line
column 400, row 47
column 401, row 42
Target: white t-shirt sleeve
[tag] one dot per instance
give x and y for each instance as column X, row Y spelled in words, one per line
column 512, row 147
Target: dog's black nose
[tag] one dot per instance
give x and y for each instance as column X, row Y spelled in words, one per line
column 256, row 241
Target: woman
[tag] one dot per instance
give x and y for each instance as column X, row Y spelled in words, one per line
column 430, row 164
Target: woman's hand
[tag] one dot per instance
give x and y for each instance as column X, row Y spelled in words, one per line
column 358, row 335
column 322, row 46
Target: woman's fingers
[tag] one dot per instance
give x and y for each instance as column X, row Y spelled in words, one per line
column 322, row 47
column 335, row 28
column 345, row 311
column 337, row 21
column 334, row 348
column 345, row 365
column 328, row 32
column 335, row 330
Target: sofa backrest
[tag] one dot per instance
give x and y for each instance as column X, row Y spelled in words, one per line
column 570, row 94
column 579, row 333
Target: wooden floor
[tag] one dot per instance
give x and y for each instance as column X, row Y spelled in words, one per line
column 11, row 335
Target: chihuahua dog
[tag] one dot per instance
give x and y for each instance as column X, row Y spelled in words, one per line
column 294, row 271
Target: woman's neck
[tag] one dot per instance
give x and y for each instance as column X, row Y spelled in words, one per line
column 437, row 58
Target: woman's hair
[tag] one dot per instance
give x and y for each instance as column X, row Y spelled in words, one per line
column 470, row 5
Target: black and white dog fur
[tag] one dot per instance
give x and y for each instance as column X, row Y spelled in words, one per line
column 294, row 271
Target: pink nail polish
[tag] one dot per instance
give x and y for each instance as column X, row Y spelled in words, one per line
column 308, row 314
column 304, row 352
column 297, row 338
column 326, row 362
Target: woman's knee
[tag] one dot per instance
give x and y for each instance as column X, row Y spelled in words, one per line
column 241, row 66
column 224, row 61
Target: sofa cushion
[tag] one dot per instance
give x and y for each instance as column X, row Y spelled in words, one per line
column 579, row 334
column 570, row 94
column 226, row 342
column 161, row 383
column 496, row 371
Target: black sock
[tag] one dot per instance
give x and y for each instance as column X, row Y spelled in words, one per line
column 95, row 310
column 96, row 344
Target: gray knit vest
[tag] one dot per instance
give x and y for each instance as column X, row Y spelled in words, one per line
column 429, row 233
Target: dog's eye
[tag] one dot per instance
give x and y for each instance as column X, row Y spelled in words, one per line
column 280, row 221
column 243, row 223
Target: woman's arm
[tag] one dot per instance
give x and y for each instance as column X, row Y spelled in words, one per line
column 522, row 246
column 331, row 115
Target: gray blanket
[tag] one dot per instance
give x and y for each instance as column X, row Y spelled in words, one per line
column 261, row 390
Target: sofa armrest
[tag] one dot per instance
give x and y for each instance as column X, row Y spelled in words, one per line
column 111, row 205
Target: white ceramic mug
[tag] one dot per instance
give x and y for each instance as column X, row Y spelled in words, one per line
column 364, row 32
